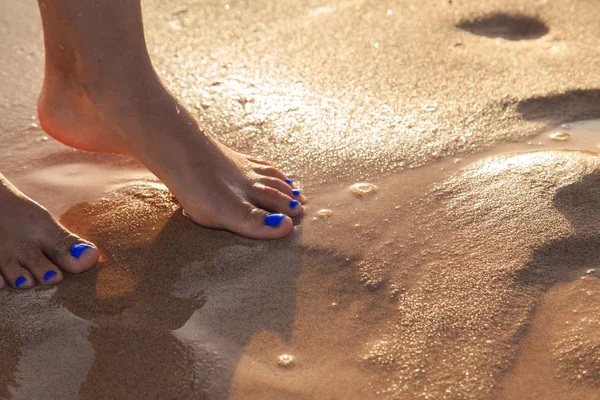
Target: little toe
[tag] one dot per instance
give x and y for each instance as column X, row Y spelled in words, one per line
column 72, row 254
column 16, row 276
column 44, row 270
column 274, row 200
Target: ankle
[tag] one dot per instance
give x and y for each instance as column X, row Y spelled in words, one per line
column 79, row 70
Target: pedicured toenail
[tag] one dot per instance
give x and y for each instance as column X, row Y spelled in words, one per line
column 20, row 281
column 289, row 181
column 274, row 219
column 296, row 192
column 77, row 249
column 49, row 275
column 294, row 203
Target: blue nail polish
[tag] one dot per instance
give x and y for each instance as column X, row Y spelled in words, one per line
column 294, row 203
column 274, row 219
column 296, row 192
column 20, row 281
column 77, row 249
column 49, row 275
column 289, row 181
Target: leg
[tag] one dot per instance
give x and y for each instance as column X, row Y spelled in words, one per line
column 101, row 93
column 34, row 246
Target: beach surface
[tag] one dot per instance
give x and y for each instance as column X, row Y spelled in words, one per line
column 464, row 265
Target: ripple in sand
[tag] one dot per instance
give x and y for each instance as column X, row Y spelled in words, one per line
column 286, row 360
column 560, row 136
column 363, row 189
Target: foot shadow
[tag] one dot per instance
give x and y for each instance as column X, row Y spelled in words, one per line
column 558, row 108
column 218, row 288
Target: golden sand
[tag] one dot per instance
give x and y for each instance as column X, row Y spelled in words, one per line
column 468, row 274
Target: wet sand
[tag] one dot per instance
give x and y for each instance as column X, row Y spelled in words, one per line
column 471, row 271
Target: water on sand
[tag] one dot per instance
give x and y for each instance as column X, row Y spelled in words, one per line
column 437, row 301
column 466, row 278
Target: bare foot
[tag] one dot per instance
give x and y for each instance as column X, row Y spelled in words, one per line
column 34, row 246
column 96, row 110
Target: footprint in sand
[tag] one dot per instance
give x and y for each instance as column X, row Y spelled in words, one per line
column 506, row 26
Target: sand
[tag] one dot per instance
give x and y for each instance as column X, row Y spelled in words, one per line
column 470, row 272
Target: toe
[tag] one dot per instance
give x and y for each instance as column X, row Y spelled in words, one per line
column 232, row 212
column 252, row 222
column 44, row 270
column 260, row 224
column 283, row 187
column 269, row 170
column 71, row 253
column 277, row 184
column 15, row 275
column 297, row 194
column 274, row 200
column 258, row 160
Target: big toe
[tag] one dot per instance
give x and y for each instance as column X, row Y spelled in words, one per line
column 247, row 220
column 72, row 254
column 260, row 224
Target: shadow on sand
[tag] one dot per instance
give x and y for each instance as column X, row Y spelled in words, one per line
column 146, row 288
column 573, row 105
column 569, row 258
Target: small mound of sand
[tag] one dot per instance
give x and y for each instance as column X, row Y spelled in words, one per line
column 494, row 241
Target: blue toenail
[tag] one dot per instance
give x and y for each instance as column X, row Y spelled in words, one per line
column 274, row 219
column 296, row 192
column 20, row 281
column 289, row 181
column 77, row 249
column 294, row 203
column 49, row 275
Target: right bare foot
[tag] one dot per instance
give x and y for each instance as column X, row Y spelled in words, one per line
column 98, row 110
column 34, row 246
